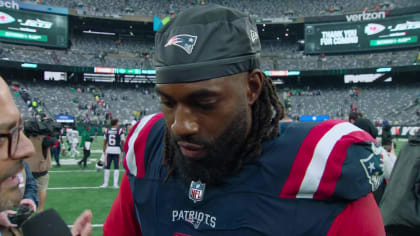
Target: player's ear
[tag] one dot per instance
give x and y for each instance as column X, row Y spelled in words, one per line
column 254, row 85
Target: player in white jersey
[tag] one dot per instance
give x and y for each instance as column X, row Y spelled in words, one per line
column 73, row 137
column 113, row 141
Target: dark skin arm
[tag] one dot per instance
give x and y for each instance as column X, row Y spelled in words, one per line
column 105, row 144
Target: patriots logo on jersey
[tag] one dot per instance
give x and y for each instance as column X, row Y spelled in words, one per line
column 184, row 41
column 253, row 35
column 374, row 167
column 195, row 222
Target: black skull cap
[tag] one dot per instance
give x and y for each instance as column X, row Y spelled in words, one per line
column 206, row 42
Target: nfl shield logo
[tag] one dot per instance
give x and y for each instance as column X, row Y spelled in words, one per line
column 196, row 192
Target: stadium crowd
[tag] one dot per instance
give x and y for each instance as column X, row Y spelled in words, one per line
column 264, row 8
column 97, row 103
column 102, row 52
column 88, row 50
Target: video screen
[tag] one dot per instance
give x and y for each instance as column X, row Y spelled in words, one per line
column 55, row 76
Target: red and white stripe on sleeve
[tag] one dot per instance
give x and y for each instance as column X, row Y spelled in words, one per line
column 317, row 166
column 135, row 145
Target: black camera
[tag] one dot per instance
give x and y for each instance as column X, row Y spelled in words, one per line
column 23, row 212
column 47, row 127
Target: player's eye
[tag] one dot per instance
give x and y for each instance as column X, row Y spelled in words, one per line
column 206, row 104
column 168, row 104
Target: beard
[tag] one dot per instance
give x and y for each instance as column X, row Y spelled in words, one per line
column 223, row 154
column 10, row 197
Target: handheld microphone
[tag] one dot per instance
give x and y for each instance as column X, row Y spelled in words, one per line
column 23, row 212
column 46, row 223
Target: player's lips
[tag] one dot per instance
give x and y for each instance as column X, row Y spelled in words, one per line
column 190, row 150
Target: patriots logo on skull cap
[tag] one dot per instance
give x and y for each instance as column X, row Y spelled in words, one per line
column 184, row 41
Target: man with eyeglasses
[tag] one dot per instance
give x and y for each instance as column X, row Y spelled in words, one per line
column 14, row 148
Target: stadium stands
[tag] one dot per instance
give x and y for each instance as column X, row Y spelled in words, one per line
column 87, row 50
column 377, row 102
column 65, row 98
column 264, row 8
column 274, row 57
column 396, row 104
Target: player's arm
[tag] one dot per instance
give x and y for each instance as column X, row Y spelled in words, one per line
column 82, row 142
column 105, row 142
column 360, row 217
column 122, row 220
column 122, row 140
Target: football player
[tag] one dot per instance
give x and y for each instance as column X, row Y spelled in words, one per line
column 113, row 141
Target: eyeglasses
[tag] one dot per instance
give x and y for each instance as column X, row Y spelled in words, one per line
column 12, row 138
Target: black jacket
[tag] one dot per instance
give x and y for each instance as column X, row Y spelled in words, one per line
column 386, row 135
column 400, row 203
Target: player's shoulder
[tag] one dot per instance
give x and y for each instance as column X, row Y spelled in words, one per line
column 145, row 125
column 334, row 159
column 120, row 131
column 143, row 142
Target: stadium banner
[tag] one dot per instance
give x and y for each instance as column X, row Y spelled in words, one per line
column 370, row 14
column 126, row 71
column 401, row 131
column 64, row 118
column 17, row 5
column 314, row 118
column 371, row 35
column 281, row 73
column 33, row 28
column 43, row 8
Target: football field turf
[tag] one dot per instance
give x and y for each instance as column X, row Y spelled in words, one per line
column 72, row 189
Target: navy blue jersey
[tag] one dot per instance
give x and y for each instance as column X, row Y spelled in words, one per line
column 114, row 137
column 303, row 180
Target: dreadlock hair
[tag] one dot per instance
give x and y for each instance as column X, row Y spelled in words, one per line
column 267, row 111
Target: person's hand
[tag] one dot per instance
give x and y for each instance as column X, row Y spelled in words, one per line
column 4, row 220
column 82, row 226
column 29, row 202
